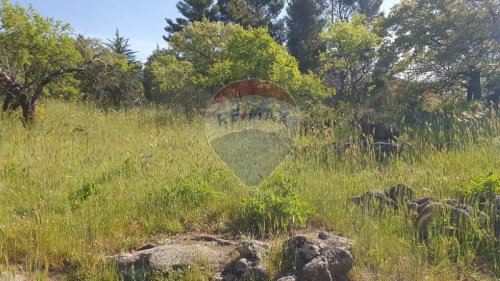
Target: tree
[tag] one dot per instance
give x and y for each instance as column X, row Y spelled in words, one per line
column 349, row 58
column 255, row 13
column 120, row 45
column 34, row 52
column 305, row 22
column 175, row 82
column 253, row 53
column 203, row 43
column 345, row 9
column 446, row 42
column 192, row 10
column 114, row 81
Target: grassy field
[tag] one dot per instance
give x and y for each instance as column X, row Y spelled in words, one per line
column 82, row 184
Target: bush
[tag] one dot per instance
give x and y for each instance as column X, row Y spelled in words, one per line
column 481, row 187
column 274, row 208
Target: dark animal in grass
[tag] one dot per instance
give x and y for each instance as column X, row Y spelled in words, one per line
column 379, row 132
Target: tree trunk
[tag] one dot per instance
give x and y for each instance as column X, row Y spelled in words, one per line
column 28, row 108
column 6, row 102
column 474, row 85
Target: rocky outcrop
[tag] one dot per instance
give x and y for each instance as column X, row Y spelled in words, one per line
column 142, row 264
column 321, row 257
column 449, row 215
column 250, row 264
column 314, row 256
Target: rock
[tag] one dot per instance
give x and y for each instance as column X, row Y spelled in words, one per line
column 400, row 193
column 456, row 216
column 324, row 235
column 210, row 238
column 378, row 131
column 249, row 266
column 141, row 264
column 243, row 269
column 375, row 199
column 334, row 264
column 252, row 249
column 301, row 249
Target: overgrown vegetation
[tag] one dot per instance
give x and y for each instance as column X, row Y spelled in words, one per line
column 113, row 153
column 107, row 198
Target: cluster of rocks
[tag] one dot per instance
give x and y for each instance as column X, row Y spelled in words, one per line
column 324, row 257
column 426, row 209
column 309, row 257
column 249, row 265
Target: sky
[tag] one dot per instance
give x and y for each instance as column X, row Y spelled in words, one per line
column 140, row 21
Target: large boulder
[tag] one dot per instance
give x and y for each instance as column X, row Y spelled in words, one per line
column 447, row 215
column 379, row 132
column 142, row 264
column 302, row 249
column 243, row 269
column 400, row 193
column 334, row 264
column 252, row 249
column 250, row 264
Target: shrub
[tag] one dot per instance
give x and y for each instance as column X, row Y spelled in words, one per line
column 274, row 208
column 486, row 187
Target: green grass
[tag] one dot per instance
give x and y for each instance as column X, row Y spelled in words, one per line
column 82, row 184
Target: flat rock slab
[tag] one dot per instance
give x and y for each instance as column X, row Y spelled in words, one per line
column 159, row 259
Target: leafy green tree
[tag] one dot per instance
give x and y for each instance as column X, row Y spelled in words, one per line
column 115, row 81
column 255, row 13
column 446, row 42
column 120, row 45
column 175, row 82
column 305, row 23
column 34, row 52
column 203, row 43
column 192, row 10
column 349, row 59
column 253, row 53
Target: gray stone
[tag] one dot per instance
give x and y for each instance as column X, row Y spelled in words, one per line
column 244, row 269
column 301, row 249
column 400, row 193
column 252, row 249
column 334, row 264
column 141, row 264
